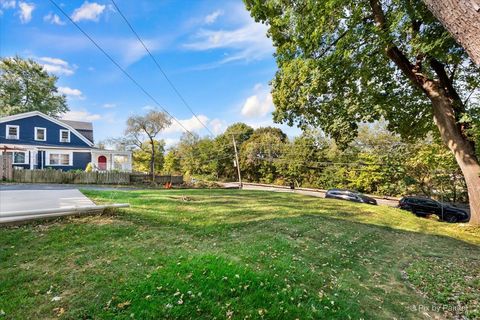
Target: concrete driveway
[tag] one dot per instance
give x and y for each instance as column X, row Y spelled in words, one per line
column 27, row 200
column 20, row 202
column 53, row 186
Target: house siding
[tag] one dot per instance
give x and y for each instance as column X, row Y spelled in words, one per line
column 80, row 146
column 80, row 161
column 27, row 133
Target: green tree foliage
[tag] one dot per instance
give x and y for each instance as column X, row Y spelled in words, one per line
column 224, row 147
column 301, row 157
column 333, row 71
column 198, row 156
column 142, row 156
column 432, row 171
column 259, row 153
column 25, row 86
column 344, row 62
column 145, row 128
column 172, row 163
column 377, row 161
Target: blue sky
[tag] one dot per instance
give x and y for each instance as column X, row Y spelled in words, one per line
column 215, row 54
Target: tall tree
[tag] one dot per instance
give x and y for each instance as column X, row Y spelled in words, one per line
column 300, row 157
column 260, row 153
column 225, row 151
column 142, row 156
column 25, row 86
column 342, row 62
column 147, row 127
column 462, row 19
column 172, row 162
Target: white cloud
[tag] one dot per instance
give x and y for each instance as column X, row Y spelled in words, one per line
column 244, row 43
column 81, row 115
column 217, row 125
column 8, row 4
column 148, row 107
column 70, row 92
column 170, row 142
column 53, row 19
column 259, row 104
column 56, row 66
column 88, row 11
column 56, row 61
column 212, row 17
column 109, row 105
column 25, row 12
column 191, row 124
column 133, row 51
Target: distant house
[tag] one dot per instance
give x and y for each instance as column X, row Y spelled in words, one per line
column 37, row 141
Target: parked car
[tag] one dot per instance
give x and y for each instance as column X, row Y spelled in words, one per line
column 425, row 206
column 349, row 195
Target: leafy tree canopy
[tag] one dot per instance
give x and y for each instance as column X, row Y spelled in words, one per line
column 25, row 86
column 142, row 156
column 334, row 73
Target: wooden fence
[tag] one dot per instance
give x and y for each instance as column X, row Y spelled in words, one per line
column 141, row 178
column 6, row 169
column 76, row 177
column 58, row 176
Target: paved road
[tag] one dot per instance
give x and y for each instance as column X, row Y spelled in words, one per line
column 247, row 186
column 313, row 193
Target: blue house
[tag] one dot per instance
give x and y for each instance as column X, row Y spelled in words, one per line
column 37, row 141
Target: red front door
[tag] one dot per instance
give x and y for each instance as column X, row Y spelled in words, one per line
column 102, row 163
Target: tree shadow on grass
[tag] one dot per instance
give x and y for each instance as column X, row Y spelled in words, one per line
column 378, row 249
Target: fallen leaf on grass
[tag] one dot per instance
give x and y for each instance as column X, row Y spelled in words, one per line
column 59, row 311
column 124, row 305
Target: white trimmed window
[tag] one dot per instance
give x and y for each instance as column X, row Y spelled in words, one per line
column 120, row 162
column 59, row 159
column 40, row 134
column 64, row 135
column 13, row 132
column 19, row 158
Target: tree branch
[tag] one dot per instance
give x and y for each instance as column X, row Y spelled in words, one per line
column 447, row 84
column 454, row 70
column 469, row 96
column 393, row 52
column 333, row 43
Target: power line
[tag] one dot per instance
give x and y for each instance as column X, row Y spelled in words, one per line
column 160, row 68
column 120, row 67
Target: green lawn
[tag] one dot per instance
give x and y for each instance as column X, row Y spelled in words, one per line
column 205, row 254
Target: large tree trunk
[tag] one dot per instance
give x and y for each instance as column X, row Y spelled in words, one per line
column 464, row 151
column 442, row 102
column 462, row 19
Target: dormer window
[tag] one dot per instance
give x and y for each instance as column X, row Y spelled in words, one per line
column 64, row 135
column 13, row 132
column 40, row 134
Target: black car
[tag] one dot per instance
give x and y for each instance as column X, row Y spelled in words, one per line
column 425, row 206
column 349, row 195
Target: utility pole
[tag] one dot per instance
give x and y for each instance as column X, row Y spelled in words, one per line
column 237, row 164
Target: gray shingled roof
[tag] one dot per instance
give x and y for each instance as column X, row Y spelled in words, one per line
column 84, row 128
column 79, row 125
